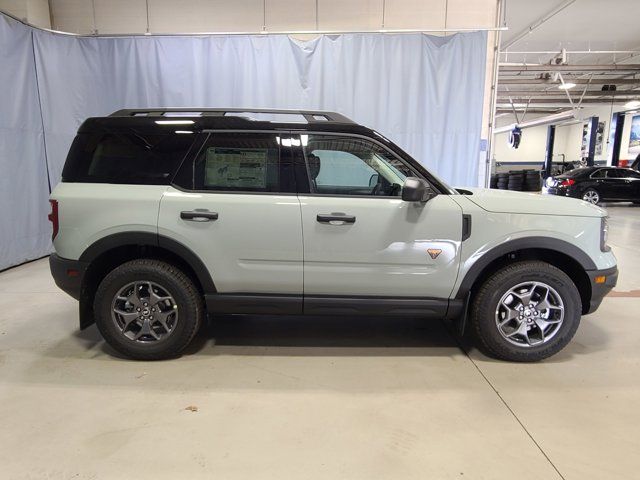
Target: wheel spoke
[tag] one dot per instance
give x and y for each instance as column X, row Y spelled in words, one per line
column 521, row 330
column 525, row 297
column 511, row 314
column 146, row 330
column 127, row 317
column 133, row 299
column 162, row 317
column 154, row 298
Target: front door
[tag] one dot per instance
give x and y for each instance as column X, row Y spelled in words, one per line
column 360, row 238
column 234, row 205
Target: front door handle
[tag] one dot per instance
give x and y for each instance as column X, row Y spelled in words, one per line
column 199, row 215
column 335, row 218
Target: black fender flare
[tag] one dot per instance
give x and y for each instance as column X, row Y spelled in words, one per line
column 539, row 243
column 122, row 239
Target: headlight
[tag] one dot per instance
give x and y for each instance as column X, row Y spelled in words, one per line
column 604, row 234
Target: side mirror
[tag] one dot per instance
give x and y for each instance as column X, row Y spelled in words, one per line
column 416, row 190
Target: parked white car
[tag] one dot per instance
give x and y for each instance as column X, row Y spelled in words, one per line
column 163, row 215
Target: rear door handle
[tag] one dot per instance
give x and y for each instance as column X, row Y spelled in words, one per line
column 199, row 215
column 335, row 218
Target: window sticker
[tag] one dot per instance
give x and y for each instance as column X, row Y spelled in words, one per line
column 236, row 168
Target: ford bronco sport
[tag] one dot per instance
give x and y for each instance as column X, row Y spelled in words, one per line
column 165, row 215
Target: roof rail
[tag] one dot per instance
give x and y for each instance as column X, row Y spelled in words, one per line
column 311, row 116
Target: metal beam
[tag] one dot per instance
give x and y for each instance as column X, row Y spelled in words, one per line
column 556, row 92
column 571, row 52
column 577, row 81
column 502, row 111
column 521, row 102
column 544, row 67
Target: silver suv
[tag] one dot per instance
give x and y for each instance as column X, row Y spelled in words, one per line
column 165, row 215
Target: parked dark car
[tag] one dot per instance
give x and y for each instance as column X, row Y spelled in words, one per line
column 597, row 184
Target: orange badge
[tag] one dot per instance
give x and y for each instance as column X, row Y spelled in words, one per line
column 434, row 252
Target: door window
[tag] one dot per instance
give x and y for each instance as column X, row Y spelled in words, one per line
column 352, row 166
column 616, row 173
column 241, row 162
column 632, row 174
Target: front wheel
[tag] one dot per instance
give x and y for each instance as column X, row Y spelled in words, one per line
column 592, row 196
column 525, row 312
column 148, row 309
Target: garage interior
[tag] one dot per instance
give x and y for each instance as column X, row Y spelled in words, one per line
column 321, row 397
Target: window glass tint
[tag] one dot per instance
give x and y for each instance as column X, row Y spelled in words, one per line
column 599, row 174
column 616, row 173
column 245, row 162
column 125, row 158
column 633, row 174
column 352, row 166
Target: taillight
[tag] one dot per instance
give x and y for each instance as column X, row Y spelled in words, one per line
column 53, row 218
column 568, row 182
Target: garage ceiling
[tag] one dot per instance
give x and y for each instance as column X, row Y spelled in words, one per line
column 602, row 45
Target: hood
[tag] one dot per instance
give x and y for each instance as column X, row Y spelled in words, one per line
column 505, row 201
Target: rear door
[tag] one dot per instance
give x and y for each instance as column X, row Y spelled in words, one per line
column 633, row 177
column 234, row 205
column 618, row 186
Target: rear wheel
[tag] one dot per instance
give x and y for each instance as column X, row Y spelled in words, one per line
column 592, row 196
column 526, row 312
column 148, row 309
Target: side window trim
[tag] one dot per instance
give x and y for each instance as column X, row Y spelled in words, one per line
column 303, row 156
column 189, row 159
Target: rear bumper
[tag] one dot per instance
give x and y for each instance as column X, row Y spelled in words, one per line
column 67, row 274
column 599, row 290
column 561, row 191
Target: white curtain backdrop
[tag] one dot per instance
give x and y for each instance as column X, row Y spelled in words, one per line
column 423, row 92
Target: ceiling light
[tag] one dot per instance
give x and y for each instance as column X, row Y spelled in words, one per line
column 174, row 122
column 632, row 104
column 566, row 85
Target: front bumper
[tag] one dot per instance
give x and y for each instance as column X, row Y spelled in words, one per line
column 600, row 288
column 67, row 274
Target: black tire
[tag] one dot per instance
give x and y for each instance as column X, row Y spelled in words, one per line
column 485, row 304
column 188, row 301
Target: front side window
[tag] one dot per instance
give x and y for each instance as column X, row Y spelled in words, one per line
column 352, row 166
column 241, row 162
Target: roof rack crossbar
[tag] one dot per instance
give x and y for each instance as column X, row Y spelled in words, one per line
column 311, row 116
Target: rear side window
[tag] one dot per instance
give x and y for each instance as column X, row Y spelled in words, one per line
column 616, row 173
column 599, row 174
column 125, row 158
column 240, row 162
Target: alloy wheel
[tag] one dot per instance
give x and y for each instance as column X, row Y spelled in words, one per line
column 529, row 314
column 591, row 196
column 144, row 312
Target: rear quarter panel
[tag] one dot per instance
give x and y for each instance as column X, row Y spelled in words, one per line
column 91, row 211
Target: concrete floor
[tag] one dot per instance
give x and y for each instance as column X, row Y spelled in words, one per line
column 292, row 398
